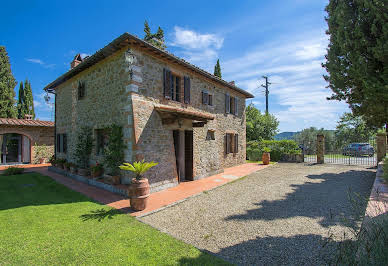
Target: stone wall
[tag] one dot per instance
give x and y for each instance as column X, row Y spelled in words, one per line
column 38, row 135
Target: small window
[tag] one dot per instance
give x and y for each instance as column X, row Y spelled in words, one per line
column 231, row 143
column 231, row 104
column 102, row 141
column 207, row 98
column 81, row 90
column 210, row 135
column 210, row 101
column 61, row 143
column 172, row 86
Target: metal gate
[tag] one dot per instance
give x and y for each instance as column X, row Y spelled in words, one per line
column 351, row 153
column 342, row 152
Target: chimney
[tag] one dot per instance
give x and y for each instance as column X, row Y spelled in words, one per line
column 232, row 82
column 76, row 61
column 28, row 117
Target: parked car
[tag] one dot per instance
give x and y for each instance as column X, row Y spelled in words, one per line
column 358, row 149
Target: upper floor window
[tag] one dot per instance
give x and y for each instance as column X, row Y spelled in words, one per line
column 207, row 98
column 81, row 90
column 172, row 87
column 231, row 104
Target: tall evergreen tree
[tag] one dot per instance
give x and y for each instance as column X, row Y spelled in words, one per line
column 21, row 100
column 156, row 39
column 217, row 69
column 29, row 99
column 7, row 85
column 357, row 57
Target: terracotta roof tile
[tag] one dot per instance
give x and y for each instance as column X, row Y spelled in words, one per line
column 25, row 122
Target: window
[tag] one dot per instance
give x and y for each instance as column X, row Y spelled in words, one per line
column 231, row 104
column 231, row 143
column 207, row 98
column 81, row 90
column 210, row 135
column 172, row 88
column 102, row 141
column 61, row 143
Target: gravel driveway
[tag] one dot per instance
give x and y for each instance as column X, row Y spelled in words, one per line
column 279, row 215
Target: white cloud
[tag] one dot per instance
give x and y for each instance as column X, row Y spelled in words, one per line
column 197, row 48
column 298, row 92
column 40, row 62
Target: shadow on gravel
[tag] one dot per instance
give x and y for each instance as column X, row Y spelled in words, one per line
column 297, row 250
column 327, row 200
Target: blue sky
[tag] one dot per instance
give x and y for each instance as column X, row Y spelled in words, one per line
column 284, row 39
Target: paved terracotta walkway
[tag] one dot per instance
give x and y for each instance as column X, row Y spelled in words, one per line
column 159, row 199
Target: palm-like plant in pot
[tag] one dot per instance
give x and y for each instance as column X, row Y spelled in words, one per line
column 140, row 188
column 83, row 150
column 114, row 153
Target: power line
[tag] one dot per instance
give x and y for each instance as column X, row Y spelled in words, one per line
column 266, row 92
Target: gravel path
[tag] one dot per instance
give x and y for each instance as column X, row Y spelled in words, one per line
column 279, row 215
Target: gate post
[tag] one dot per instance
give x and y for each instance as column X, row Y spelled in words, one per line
column 381, row 144
column 320, row 149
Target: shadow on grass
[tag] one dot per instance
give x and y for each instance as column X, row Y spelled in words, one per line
column 101, row 214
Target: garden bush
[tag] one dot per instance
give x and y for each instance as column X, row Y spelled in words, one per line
column 278, row 148
column 13, row 171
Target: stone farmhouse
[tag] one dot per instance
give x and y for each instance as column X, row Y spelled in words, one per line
column 189, row 121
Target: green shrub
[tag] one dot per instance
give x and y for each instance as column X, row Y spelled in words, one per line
column 278, row 148
column 13, row 171
column 385, row 169
column 114, row 152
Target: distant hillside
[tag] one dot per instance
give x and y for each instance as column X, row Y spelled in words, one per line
column 285, row 135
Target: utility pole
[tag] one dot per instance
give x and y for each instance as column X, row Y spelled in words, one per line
column 266, row 93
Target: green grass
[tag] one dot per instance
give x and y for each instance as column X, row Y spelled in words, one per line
column 45, row 223
column 259, row 162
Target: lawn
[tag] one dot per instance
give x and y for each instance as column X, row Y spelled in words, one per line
column 43, row 222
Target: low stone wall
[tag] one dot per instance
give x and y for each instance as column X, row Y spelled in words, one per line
column 378, row 200
column 292, row 158
column 89, row 181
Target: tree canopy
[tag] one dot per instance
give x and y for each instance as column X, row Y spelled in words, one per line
column 357, row 57
column 351, row 128
column 308, row 138
column 25, row 102
column 156, row 39
column 260, row 126
column 7, row 85
column 217, row 69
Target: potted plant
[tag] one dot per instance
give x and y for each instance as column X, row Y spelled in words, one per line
column 60, row 163
column 83, row 150
column 97, row 170
column 52, row 160
column 266, row 157
column 73, row 168
column 114, row 153
column 67, row 166
column 140, row 188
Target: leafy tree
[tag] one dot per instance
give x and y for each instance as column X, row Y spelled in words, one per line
column 260, row 126
column 84, row 147
column 352, row 128
column 357, row 57
column 156, row 39
column 308, row 138
column 217, row 69
column 114, row 152
column 7, row 85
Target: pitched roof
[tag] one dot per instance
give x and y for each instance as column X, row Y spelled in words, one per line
column 25, row 122
column 121, row 42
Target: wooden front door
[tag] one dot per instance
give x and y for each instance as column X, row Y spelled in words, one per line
column 188, row 155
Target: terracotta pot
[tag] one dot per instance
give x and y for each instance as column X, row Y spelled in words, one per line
column 97, row 173
column 139, row 193
column 41, row 160
column 73, row 170
column 116, row 180
column 83, row 172
column 266, row 158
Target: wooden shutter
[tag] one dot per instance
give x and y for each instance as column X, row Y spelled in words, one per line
column 167, row 84
column 226, row 144
column 187, row 89
column 236, row 106
column 164, row 82
column 178, row 89
column 236, row 143
column 205, row 97
column 64, row 143
column 227, row 103
column 210, row 102
column 58, row 143
column 172, row 96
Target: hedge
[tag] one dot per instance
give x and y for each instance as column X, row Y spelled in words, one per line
column 278, row 149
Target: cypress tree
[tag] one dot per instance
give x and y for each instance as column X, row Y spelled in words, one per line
column 21, row 100
column 217, row 69
column 29, row 100
column 7, row 85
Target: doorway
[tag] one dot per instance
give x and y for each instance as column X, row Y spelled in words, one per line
column 183, row 145
column 14, row 148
